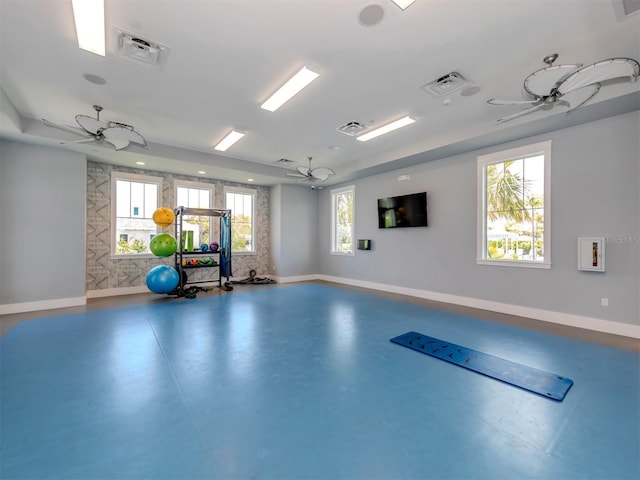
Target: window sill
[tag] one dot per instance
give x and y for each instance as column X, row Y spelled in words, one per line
column 142, row 256
column 512, row 263
column 343, row 254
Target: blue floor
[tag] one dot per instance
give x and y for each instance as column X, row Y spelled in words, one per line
column 302, row 382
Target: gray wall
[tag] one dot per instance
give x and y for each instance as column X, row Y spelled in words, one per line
column 42, row 212
column 594, row 183
column 294, row 227
column 275, row 228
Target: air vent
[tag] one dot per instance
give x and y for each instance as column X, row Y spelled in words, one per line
column 140, row 49
column 351, row 128
column 625, row 9
column 284, row 161
column 630, row 6
column 446, row 84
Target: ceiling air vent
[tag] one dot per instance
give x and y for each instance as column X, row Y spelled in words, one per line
column 351, row 128
column 284, row 161
column 446, row 84
column 140, row 49
column 626, row 8
column 630, row 6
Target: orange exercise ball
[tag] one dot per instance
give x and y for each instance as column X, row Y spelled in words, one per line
column 163, row 216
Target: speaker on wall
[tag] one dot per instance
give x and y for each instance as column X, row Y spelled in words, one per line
column 364, row 244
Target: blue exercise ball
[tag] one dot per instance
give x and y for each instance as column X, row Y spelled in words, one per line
column 162, row 279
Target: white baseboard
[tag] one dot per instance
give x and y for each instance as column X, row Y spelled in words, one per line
column 567, row 319
column 298, row 278
column 114, row 292
column 42, row 305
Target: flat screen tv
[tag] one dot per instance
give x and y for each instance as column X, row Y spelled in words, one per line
column 403, row 211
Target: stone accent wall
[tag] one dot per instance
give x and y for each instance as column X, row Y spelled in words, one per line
column 105, row 272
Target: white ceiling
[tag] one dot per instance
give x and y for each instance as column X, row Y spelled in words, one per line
column 225, row 57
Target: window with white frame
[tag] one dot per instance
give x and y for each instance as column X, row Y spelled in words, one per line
column 342, row 220
column 134, row 198
column 241, row 202
column 514, row 207
column 196, row 195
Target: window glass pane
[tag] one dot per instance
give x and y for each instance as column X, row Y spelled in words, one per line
column 342, row 221
column 182, row 197
column 204, row 199
column 135, row 202
column 192, row 197
column 150, row 199
column 241, row 206
column 513, row 210
column 123, row 198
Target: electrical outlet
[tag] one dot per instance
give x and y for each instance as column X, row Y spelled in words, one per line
column 604, row 302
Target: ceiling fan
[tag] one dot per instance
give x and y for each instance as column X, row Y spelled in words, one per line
column 570, row 85
column 119, row 135
column 309, row 174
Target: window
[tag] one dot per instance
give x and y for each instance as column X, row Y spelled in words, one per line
column 342, row 220
column 195, row 195
column 241, row 202
column 134, row 198
column 514, row 206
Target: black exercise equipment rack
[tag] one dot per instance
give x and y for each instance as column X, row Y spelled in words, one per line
column 183, row 290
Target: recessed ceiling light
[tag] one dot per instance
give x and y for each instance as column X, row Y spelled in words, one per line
column 296, row 83
column 229, row 140
column 403, row 4
column 139, row 163
column 249, row 179
column 389, row 127
column 89, row 18
column 201, row 172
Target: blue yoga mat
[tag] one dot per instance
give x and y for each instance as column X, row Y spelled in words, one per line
column 543, row 383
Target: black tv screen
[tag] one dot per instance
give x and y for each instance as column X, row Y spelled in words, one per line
column 403, row 211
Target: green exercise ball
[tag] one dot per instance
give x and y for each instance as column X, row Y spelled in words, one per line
column 163, row 245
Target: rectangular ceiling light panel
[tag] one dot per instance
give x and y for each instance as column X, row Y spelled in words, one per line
column 403, row 4
column 229, row 140
column 389, row 127
column 296, row 83
column 89, row 19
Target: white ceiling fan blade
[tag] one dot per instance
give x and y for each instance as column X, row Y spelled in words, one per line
column 296, row 175
column 86, row 140
column 117, row 143
column 119, row 134
column 322, row 173
column 520, row 114
column 578, row 97
column 90, row 124
column 303, row 171
column 65, row 128
column 599, row 72
column 321, row 177
column 541, row 82
column 497, row 101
